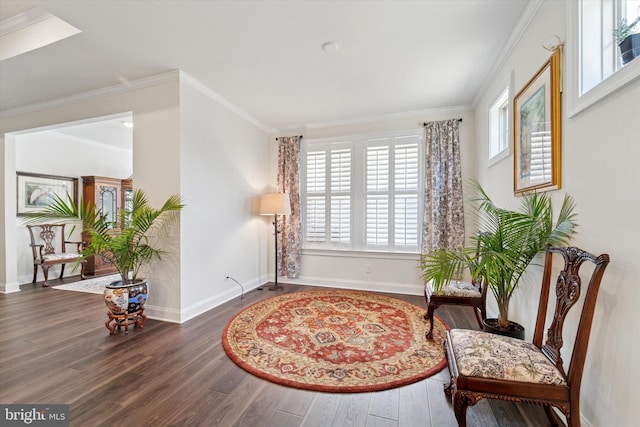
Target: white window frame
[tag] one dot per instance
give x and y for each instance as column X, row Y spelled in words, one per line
column 501, row 105
column 578, row 102
column 358, row 222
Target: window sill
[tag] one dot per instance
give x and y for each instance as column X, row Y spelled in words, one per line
column 613, row 83
column 344, row 253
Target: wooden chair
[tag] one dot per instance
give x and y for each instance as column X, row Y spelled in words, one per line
column 456, row 292
column 498, row 367
column 45, row 253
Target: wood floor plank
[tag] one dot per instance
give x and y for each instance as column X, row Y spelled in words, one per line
column 385, row 404
column 322, row 411
column 296, row 402
column 373, row 421
column 283, row 419
column 54, row 348
column 413, row 405
column 353, row 410
column 440, row 410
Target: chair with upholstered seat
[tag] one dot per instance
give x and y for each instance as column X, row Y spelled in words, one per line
column 484, row 365
column 48, row 246
column 456, row 292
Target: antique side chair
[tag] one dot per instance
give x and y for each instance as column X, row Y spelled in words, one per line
column 47, row 251
column 456, row 292
column 498, row 367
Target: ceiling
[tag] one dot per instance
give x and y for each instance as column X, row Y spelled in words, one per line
column 265, row 57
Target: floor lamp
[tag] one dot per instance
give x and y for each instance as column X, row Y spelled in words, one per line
column 275, row 204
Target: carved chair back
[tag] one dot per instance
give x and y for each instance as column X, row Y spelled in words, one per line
column 569, row 287
column 45, row 237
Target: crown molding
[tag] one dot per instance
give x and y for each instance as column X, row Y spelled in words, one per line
column 23, row 20
column 420, row 114
column 216, row 97
column 125, row 86
column 523, row 23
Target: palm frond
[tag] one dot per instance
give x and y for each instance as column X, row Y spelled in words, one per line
column 507, row 243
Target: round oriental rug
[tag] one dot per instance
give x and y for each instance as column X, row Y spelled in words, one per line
column 335, row 341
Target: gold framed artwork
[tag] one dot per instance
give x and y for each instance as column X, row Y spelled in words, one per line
column 537, row 131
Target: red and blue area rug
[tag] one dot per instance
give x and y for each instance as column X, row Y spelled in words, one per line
column 335, row 341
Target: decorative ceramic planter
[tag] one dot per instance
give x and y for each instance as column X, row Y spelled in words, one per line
column 121, row 298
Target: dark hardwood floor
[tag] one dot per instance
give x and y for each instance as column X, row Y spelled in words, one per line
column 54, row 348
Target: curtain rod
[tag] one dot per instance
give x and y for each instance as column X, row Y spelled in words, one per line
column 424, row 124
column 299, row 136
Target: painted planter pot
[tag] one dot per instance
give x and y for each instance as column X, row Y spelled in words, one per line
column 122, row 298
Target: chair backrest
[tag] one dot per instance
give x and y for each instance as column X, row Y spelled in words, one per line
column 46, row 234
column 568, row 290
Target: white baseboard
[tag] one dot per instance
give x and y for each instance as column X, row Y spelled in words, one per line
column 9, row 288
column 393, row 288
column 181, row 316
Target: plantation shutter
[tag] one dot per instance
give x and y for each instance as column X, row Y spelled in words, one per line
column 362, row 193
column 341, row 196
column 540, row 156
column 377, row 195
column 315, row 192
column 406, row 193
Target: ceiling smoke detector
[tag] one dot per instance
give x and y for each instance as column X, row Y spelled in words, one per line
column 329, row 47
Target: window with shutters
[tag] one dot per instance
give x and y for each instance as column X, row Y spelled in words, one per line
column 362, row 193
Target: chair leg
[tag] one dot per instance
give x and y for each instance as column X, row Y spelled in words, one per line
column 35, row 273
column 429, row 316
column 62, row 270
column 45, row 270
column 551, row 416
column 475, row 311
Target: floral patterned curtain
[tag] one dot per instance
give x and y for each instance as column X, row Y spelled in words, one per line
column 289, row 244
column 443, row 226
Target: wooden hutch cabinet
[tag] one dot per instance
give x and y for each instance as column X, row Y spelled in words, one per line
column 108, row 194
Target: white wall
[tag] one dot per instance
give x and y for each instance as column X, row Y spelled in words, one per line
column 393, row 273
column 52, row 153
column 155, row 108
column 600, row 152
column 223, row 173
column 185, row 142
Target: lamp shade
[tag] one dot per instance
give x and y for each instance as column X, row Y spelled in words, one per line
column 275, row 204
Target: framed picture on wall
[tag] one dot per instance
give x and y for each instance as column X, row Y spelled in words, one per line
column 536, row 124
column 35, row 191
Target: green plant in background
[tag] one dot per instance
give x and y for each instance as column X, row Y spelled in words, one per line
column 124, row 243
column 623, row 30
column 506, row 244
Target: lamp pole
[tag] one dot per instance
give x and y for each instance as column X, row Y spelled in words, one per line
column 275, row 287
column 275, row 204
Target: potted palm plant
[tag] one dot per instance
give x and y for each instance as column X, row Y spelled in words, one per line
column 506, row 244
column 627, row 40
column 125, row 243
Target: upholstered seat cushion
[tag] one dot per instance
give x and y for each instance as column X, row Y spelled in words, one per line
column 456, row 288
column 60, row 256
column 486, row 355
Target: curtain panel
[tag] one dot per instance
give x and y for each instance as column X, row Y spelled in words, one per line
column 443, row 226
column 288, row 182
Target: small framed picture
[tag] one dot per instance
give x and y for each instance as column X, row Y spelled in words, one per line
column 537, row 132
column 36, row 191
